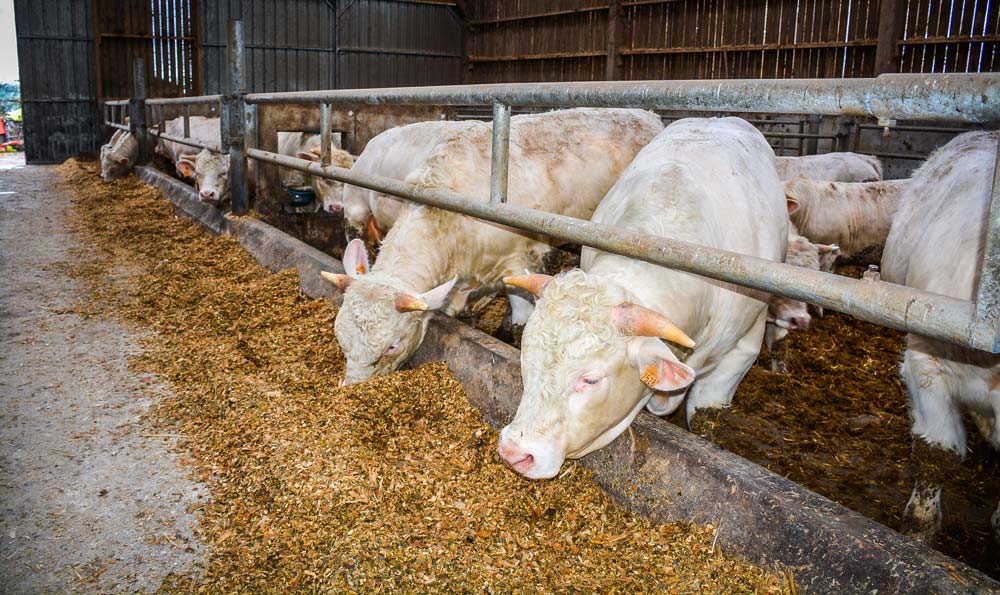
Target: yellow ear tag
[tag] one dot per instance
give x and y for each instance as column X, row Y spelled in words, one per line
column 650, row 375
column 360, row 269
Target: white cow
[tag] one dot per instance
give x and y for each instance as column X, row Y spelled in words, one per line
column 936, row 244
column 119, row 155
column 853, row 215
column 304, row 145
column 396, row 154
column 591, row 353
column 787, row 314
column 561, row 162
column 832, row 167
column 204, row 130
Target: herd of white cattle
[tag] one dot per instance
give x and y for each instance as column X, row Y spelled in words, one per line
column 616, row 335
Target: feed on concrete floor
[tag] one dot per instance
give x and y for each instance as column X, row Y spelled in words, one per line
column 392, row 485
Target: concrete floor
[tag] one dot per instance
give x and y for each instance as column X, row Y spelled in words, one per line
column 91, row 498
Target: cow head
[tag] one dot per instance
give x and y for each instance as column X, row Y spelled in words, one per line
column 210, row 173
column 792, row 314
column 590, row 360
column 329, row 192
column 380, row 323
column 117, row 158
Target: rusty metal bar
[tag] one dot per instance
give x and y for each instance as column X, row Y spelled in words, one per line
column 186, row 114
column 988, row 295
column 186, row 141
column 955, row 97
column 137, row 109
column 896, row 306
column 500, row 159
column 233, row 135
column 325, row 132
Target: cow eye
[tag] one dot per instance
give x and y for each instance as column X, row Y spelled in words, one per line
column 392, row 349
column 587, row 382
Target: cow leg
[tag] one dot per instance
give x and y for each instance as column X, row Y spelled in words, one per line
column 938, row 442
column 710, row 395
column 774, row 340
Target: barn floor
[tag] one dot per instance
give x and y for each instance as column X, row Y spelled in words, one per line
column 92, row 499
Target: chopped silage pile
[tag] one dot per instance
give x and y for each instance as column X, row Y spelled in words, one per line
column 388, row 486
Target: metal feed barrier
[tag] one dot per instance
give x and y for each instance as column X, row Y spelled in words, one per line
column 965, row 98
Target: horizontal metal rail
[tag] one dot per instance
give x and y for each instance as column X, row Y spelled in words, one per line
column 952, row 97
column 186, row 141
column 196, row 100
column 887, row 304
column 117, row 102
column 111, row 124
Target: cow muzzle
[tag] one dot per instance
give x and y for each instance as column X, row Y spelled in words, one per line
column 532, row 459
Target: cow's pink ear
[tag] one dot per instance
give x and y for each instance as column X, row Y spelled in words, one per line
column 185, row 165
column 793, row 205
column 123, row 161
column 307, row 155
column 659, row 368
column 356, row 259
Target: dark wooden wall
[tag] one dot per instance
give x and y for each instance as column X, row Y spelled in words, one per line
column 559, row 40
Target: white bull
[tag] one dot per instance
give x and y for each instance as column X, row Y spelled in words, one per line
column 118, row 156
column 831, row 167
column 853, row 215
column 936, row 244
column 591, row 353
column 560, row 162
column 204, row 130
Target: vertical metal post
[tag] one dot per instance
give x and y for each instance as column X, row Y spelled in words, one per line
column 250, row 140
column 137, row 107
column 186, row 113
column 812, row 127
column 501, row 152
column 325, row 132
column 988, row 296
column 234, row 118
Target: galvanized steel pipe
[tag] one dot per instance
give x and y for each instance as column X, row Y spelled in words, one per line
column 887, row 304
column 197, row 100
column 186, row 141
column 325, row 132
column 952, row 97
column 500, row 158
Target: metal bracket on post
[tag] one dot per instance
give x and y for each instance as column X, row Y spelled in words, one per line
column 325, row 132
column 233, row 108
column 988, row 295
column 501, row 153
column 137, row 109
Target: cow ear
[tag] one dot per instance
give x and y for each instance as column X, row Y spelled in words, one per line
column 123, row 161
column 185, row 165
column 659, row 368
column 356, row 259
column 316, row 151
column 793, row 205
column 828, row 254
column 307, row 155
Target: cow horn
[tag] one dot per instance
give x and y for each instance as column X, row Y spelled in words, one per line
column 636, row 320
column 373, row 232
column 534, row 283
column 405, row 302
column 341, row 281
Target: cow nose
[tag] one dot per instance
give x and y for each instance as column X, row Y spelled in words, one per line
column 208, row 195
column 799, row 323
column 516, row 458
column 334, row 209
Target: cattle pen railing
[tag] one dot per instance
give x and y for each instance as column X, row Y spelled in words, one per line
column 960, row 98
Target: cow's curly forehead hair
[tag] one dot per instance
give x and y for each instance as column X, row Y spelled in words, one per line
column 368, row 319
column 572, row 321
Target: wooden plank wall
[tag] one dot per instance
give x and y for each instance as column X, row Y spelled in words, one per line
column 557, row 40
column 161, row 32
